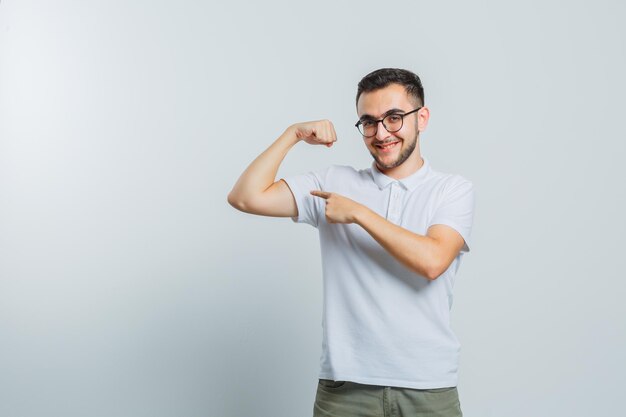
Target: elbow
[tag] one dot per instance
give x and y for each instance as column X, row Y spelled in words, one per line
column 246, row 203
column 237, row 203
column 434, row 271
column 431, row 275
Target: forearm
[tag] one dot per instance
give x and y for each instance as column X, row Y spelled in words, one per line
column 261, row 173
column 419, row 253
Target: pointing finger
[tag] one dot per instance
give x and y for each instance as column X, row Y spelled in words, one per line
column 323, row 194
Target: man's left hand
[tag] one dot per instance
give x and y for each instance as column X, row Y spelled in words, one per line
column 339, row 209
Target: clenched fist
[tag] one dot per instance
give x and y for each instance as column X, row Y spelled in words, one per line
column 319, row 132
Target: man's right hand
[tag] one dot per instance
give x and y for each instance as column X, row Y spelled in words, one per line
column 319, row 132
column 257, row 192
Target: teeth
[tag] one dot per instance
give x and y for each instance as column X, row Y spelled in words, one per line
column 388, row 145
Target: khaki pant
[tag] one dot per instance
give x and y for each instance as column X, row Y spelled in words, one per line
column 349, row 399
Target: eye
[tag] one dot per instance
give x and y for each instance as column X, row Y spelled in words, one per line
column 394, row 118
column 368, row 123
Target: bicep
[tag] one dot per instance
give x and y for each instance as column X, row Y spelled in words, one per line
column 276, row 201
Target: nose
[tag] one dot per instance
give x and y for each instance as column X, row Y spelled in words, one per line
column 381, row 131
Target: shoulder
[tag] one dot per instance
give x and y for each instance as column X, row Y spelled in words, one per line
column 448, row 182
column 446, row 187
column 346, row 172
column 344, row 179
column 343, row 169
column 330, row 174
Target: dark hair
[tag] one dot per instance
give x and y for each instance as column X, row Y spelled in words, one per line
column 381, row 78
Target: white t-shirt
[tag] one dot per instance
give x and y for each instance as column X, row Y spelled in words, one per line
column 382, row 323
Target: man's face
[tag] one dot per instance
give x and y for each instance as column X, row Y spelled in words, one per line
column 390, row 150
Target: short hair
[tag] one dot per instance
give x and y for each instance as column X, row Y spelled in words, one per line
column 381, row 78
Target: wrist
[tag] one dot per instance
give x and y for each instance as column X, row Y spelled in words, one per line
column 290, row 133
column 361, row 214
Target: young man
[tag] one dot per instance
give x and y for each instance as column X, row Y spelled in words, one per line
column 392, row 237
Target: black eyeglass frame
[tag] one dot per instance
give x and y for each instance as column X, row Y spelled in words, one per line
column 360, row 122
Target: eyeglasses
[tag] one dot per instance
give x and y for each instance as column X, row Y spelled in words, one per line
column 392, row 122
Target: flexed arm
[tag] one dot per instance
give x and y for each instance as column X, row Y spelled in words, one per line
column 257, row 192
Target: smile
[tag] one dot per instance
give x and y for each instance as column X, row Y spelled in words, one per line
column 387, row 147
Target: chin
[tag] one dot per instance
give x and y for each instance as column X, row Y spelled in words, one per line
column 388, row 165
column 391, row 163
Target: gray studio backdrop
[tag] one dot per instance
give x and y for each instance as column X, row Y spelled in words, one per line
column 129, row 287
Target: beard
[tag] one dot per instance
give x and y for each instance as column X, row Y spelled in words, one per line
column 404, row 155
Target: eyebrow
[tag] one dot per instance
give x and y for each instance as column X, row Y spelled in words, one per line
column 387, row 113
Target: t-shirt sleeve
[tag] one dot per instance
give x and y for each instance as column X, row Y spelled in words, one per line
column 457, row 209
column 309, row 206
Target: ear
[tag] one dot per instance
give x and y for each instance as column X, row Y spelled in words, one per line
column 422, row 119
